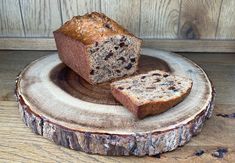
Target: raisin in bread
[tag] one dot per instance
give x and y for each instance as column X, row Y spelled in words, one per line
column 151, row 93
column 97, row 48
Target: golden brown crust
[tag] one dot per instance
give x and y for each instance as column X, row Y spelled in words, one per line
column 92, row 27
column 76, row 38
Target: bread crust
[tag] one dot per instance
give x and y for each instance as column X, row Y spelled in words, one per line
column 92, row 27
column 142, row 109
column 70, row 51
column 78, row 35
column 146, row 109
column 158, row 107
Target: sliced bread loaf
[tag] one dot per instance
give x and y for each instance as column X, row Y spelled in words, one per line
column 151, row 93
column 97, row 48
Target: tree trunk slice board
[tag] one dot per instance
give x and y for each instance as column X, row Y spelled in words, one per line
column 59, row 105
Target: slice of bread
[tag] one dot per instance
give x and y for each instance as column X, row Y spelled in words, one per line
column 97, row 48
column 151, row 93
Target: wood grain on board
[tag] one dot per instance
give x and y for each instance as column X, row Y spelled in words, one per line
column 126, row 13
column 40, row 17
column 199, row 18
column 79, row 88
column 159, row 18
column 218, row 131
column 70, row 8
column 226, row 26
column 10, row 19
column 53, row 113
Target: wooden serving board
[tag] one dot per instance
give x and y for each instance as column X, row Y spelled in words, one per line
column 59, row 105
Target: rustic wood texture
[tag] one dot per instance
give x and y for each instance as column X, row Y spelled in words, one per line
column 40, row 18
column 159, row 19
column 10, row 17
column 72, row 8
column 126, row 13
column 53, row 113
column 168, row 45
column 27, row 43
column 198, row 19
column 38, row 149
column 226, row 21
column 10, row 65
column 191, row 45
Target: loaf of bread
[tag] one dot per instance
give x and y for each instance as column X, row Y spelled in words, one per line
column 97, row 48
column 151, row 93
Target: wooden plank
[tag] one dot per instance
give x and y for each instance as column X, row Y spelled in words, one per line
column 40, row 17
column 27, row 43
column 159, row 18
column 10, row 17
column 191, row 45
column 126, row 13
column 72, row 8
column 226, row 21
column 168, row 45
column 198, row 19
column 10, row 66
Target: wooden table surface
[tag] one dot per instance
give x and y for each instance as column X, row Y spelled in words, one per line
column 19, row 144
